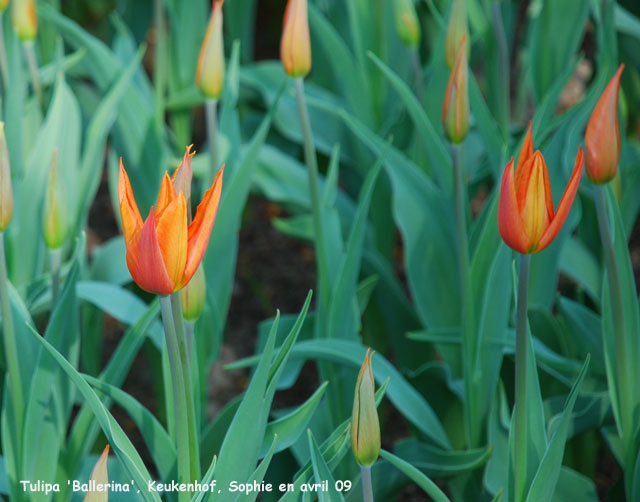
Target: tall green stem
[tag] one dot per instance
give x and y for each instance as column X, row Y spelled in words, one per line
column 159, row 67
column 211, row 110
column 194, row 459
column 417, row 73
column 12, row 362
column 464, row 273
column 56, row 260
column 503, row 55
column 179, row 397
column 367, row 488
column 312, row 166
column 615, row 292
column 10, row 347
column 520, row 443
column 33, row 70
column 4, row 67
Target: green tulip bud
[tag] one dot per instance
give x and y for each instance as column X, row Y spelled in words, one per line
column 365, row 426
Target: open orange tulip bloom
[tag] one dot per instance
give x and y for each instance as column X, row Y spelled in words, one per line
column 164, row 252
column 526, row 219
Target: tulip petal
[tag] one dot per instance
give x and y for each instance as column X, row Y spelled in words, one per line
column 526, row 151
column 101, row 477
column 166, row 195
column 181, row 179
column 129, row 212
column 602, row 136
column 171, row 229
column 565, row 204
column 509, row 221
column 200, row 229
column 145, row 262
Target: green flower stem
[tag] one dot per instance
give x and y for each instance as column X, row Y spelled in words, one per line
column 4, row 67
column 11, row 352
column 503, row 55
column 194, row 459
column 417, row 73
column 10, row 347
column 211, row 111
column 464, row 273
column 179, row 397
column 160, row 63
column 56, row 260
column 33, row 70
column 520, row 425
column 312, row 165
column 367, row 489
column 189, row 330
column 613, row 276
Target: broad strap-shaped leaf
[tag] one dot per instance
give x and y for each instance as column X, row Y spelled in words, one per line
column 116, row 437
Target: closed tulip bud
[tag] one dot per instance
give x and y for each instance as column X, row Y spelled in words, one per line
column 365, row 426
column 193, row 296
column 25, row 20
column 456, row 29
column 295, row 47
column 526, row 219
column 210, row 71
column 407, row 23
column 55, row 223
column 602, row 137
column 99, row 478
column 455, row 112
column 6, row 192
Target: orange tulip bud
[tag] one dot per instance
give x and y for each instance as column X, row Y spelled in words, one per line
column 55, row 224
column 295, row 47
column 25, row 20
column 455, row 112
column 526, row 219
column 365, row 426
column 407, row 24
column 603, row 135
column 6, row 192
column 210, row 71
column 193, row 296
column 164, row 251
column 98, row 491
column 456, row 30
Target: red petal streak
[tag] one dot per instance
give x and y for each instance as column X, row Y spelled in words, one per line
column 509, row 221
column 131, row 219
column 145, row 262
column 200, row 228
column 565, row 204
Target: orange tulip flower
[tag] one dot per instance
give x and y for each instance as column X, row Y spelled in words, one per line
column 164, row 252
column 526, row 219
column 603, row 135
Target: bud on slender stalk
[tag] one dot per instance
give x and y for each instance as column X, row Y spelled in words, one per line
column 407, row 23
column 99, row 477
column 455, row 112
column 365, row 427
column 295, row 47
column 6, row 192
column 25, row 20
column 193, row 296
column 602, row 136
column 54, row 219
column 456, row 29
column 210, row 71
